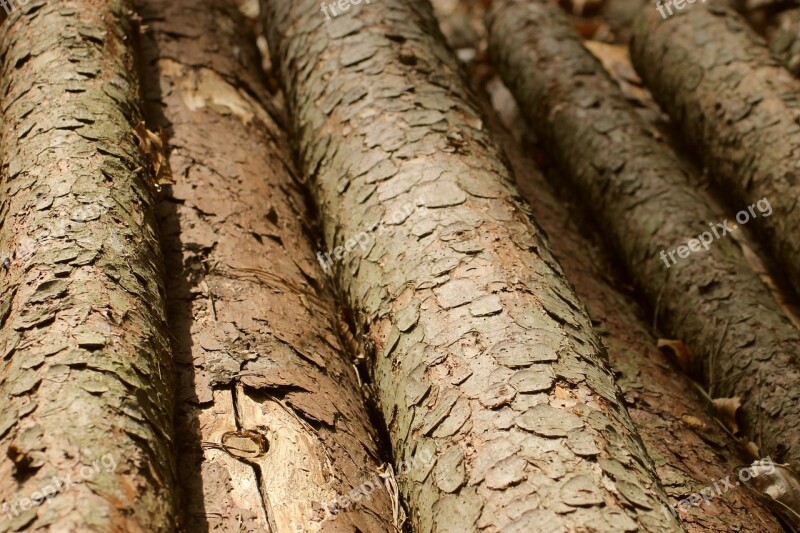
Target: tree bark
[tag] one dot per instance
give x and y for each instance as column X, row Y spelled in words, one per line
column 479, row 350
column 261, row 363
column 636, row 189
column 737, row 106
column 784, row 40
column 690, row 449
column 86, row 377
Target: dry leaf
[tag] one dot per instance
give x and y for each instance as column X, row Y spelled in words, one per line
column 153, row 147
column 781, row 487
column 751, row 448
column 586, row 28
column 562, row 393
column 693, row 422
column 677, row 351
column 726, row 409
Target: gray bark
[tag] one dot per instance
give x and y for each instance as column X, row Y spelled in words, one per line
column 737, row 106
column 636, row 188
column 689, row 447
column 479, row 350
column 86, row 377
column 784, row 40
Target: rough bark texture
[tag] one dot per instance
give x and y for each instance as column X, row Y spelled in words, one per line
column 86, row 372
column 687, row 444
column 737, row 106
column 260, row 364
column 479, row 349
column 689, row 448
column 784, row 40
column 636, row 188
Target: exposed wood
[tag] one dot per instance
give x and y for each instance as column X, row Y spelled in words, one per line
column 256, row 334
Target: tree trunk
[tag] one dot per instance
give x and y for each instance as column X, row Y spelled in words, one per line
column 690, row 450
column 638, row 192
column 784, row 40
column 261, row 365
column 689, row 447
column 737, row 107
column 479, row 350
column 86, row 376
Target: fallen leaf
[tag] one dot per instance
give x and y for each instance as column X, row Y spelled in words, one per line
column 153, row 147
column 726, row 409
column 780, row 485
column 562, row 393
column 751, row 448
column 677, row 351
column 693, row 422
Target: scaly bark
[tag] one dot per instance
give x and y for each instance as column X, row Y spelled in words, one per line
column 261, row 366
column 687, row 444
column 736, row 106
column 636, row 189
column 480, row 352
column 86, row 373
column 690, row 449
column 784, row 40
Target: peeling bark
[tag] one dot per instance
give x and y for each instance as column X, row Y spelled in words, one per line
column 267, row 387
column 480, row 352
column 716, row 79
column 86, row 374
column 636, row 189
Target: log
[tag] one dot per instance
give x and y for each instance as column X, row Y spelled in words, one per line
column 86, row 379
column 275, row 432
column 480, row 353
column 636, row 189
column 737, row 107
column 690, row 448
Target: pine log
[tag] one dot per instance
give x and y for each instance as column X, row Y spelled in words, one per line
column 690, row 448
column 261, row 365
column 636, row 188
column 480, row 352
column 86, row 380
column 737, row 107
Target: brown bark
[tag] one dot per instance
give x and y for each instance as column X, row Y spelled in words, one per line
column 636, row 188
column 479, row 350
column 736, row 106
column 86, row 374
column 261, row 365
